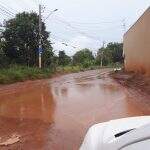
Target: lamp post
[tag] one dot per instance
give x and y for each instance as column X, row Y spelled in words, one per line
column 40, row 49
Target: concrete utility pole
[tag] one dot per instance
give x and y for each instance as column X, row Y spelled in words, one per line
column 40, row 33
column 124, row 31
column 124, row 26
column 40, row 36
column 102, row 59
column 102, row 53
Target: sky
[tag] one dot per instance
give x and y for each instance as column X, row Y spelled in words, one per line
column 83, row 23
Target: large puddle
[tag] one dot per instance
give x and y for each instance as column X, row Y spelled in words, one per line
column 55, row 114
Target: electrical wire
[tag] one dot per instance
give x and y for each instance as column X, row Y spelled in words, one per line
column 8, row 7
column 62, row 41
column 98, row 25
column 6, row 12
column 77, row 30
column 36, row 2
column 93, row 29
column 95, row 23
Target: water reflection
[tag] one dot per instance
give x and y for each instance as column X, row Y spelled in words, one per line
column 29, row 103
column 56, row 113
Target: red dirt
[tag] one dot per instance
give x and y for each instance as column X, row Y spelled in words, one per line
column 54, row 114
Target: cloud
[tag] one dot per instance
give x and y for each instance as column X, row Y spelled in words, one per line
column 86, row 16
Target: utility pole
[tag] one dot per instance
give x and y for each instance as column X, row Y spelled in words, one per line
column 102, row 53
column 40, row 32
column 124, row 31
column 102, row 59
column 124, row 25
column 40, row 36
column 104, row 44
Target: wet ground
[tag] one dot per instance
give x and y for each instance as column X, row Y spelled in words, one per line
column 55, row 114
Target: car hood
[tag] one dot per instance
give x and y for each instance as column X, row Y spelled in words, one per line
column 99, row 135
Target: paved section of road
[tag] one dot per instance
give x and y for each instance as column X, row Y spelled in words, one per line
column 55, row 114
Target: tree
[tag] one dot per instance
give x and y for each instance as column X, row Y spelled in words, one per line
column 84, row 56
column 4, row 61
column 103, row 56
column 116, row 50
column 21, row 37
column 63, row 59
column 111, row 54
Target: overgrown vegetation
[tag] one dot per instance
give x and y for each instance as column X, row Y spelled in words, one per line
column 19, row 53
column 21, row 73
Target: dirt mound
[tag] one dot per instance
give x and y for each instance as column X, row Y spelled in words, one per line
column 132, row 80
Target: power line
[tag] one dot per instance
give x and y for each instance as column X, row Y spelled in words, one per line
column 4, row 14
column 36, row 2
column 95, row 23
column 62, row 41
column 50, row 14
column 6, row 11
column 65, row 43
column 23, row 5
column 124, row 25
column 8, row 7
column 20, row 4
column 77, row 26
column 68, row 24
column 77, row 30
column 99, row 23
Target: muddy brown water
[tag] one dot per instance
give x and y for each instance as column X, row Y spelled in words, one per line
column 55, row 114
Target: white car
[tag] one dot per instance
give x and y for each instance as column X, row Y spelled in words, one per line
column 122, row 134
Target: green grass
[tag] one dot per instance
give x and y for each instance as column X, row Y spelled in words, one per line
column 69, row 69
column 74, row 69
column 22, row 73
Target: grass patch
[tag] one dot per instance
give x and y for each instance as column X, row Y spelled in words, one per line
column 69, row 69
column 17, row 73
column 22, row 73
column 77, row 68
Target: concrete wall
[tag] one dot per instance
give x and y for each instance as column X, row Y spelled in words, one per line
column 137, row 45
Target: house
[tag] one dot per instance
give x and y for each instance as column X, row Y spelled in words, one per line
column 137, row 45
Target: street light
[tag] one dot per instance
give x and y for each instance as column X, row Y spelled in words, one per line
column 40, row 30
column 50, row 14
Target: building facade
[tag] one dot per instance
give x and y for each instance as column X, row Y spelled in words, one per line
column 137, row 45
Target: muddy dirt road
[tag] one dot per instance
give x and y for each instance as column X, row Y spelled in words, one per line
column 55, row 114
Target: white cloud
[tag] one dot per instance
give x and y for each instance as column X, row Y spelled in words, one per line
column 94, row 12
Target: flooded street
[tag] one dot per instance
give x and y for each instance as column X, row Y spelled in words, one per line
column 55, row 114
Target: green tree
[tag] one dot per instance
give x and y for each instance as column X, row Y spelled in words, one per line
column 116, row 50
column 84, row 57
column 103, row 56
column 21, row 37
column 4, row 61
column 63, row 59
column 111, row 54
